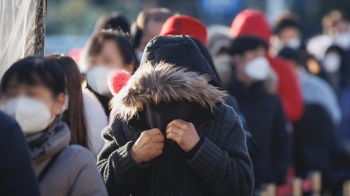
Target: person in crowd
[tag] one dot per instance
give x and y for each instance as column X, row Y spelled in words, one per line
column 15, row 165
column 113, row 21
column 254, row 23
column 337, row 24
column 189, row 26
column 263, row 111
column 288, row 32
column 82, row 111
column 33, row 91
column 317, row 148
column 338, row 75
column 218, row 44
column 315, row 90
column 173, row 134
column 107, row 51
column 148, row 25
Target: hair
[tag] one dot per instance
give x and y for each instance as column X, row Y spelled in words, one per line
column 242, row 44
column 74, row 116
column 113, row 21
column 153, row 14
column 121, row 41
column 287, row 20
column 35, row 71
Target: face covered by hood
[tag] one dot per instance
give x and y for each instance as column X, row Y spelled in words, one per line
column 252, row 23
column 174, row 79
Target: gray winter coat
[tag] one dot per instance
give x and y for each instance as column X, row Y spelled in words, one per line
column 74, row 171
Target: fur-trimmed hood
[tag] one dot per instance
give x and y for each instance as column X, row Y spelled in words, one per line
column 165, row 83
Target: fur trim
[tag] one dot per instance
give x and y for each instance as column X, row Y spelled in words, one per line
column 96, row 121
column 164, row 83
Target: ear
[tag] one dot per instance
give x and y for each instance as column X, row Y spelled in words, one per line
column 57, row 107
column 130, row 68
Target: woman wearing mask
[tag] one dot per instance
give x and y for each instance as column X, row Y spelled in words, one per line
column 82, row 111
column 337, row 71
column 33, row 92
column 105, row 52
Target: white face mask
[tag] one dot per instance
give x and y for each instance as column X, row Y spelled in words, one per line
column 258, row 69
column 331, row 63
column 343, row 40
column 293, row 43
column 97, row 80
column 32, row 115
column 65, row 104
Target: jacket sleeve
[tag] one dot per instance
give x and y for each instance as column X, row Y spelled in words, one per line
column 119, row 170
column 225, row 170
column 88, row 180
column 280, row 145
column 15, row 165
column 288, row 89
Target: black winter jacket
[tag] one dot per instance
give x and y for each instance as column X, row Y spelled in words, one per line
column 267, row 123
column 220, row 165
column 16, row 174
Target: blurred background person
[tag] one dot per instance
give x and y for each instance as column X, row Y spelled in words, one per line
column 106, row 52
column 219, row 42
column 82, row 111
column 337, row 72
column 254, row 23
column 114, row 21
column 315, row 90
column 317, row 148
column 337, row 24
column 33, row 92
column 288, row 33
column 263, row 111
column 148, row 24
column 15, row 165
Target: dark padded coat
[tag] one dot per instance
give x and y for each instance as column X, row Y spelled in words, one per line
column 16, row 174
column 219, row 166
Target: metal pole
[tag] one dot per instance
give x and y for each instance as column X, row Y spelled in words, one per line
column 40, row 27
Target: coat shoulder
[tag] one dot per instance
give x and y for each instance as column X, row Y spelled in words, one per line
column 225, row 121
column 77, row 154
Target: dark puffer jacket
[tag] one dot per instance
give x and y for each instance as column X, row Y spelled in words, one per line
column 16, row 173
column 266, row 122
column 220, row 166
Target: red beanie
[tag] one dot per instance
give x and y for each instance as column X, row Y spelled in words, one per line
column 185, row 25
column 251, row 22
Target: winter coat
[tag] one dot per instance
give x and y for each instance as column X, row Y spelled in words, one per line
column 250, row 22
column 317, row 91
column 16, row 174
column 316, row 148
column 219, row 166
column 73, row 171
column 266, row 122
column 96, row 121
